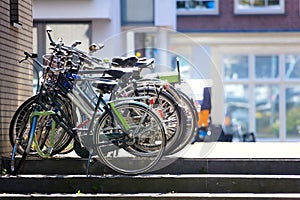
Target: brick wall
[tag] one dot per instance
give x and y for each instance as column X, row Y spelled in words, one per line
column 227, row 21
column 15, row 78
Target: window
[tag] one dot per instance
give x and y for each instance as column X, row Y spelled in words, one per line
column 252, row 91
column 292, row 95
column 263, row 92
column 292, row 66
column 197, row 7
column 266, row 67
column 137, row 12
column 236, row 67
column 14, row 13
column 292, row 106
column 266, row 98
column 237, row 107
column 236, row 92
column 259, row 6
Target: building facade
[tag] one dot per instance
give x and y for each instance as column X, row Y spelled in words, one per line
column 250, row 49
column 254, row 46
column 15, row 79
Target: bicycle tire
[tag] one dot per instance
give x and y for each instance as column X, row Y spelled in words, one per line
column 189, row 111
column 20, row 123
column 173, row 114
column 119, row 151
column 22, row 140
column 191, row 123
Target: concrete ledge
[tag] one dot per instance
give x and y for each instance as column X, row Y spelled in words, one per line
column 228, row 171
column 200, row 158
column 151, row 184
column 268, row 166
column 155, row 196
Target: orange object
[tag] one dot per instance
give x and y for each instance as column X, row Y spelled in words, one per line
column 227, row 121
column 203, row 118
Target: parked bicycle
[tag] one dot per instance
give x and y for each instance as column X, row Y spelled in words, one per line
column 128, row 136
column 177, row 107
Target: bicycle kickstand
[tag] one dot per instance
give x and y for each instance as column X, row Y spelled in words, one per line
column 89, row 162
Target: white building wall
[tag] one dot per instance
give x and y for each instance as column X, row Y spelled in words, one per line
column 73, row 9
column 104, row 15
column 106, row 32
column 165, row 13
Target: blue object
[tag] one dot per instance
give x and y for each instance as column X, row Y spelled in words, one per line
column 210, row 4
column 202, row 133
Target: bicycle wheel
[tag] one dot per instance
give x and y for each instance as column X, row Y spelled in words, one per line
column 191, row 123
column 188, row 114
column 173, row 115
column 20, row 124
column 23, row 143
column 188, row 110
column 140, row 148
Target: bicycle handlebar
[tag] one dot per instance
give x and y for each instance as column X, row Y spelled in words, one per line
column 49, row 30
column 58, row 46
column 28, row 55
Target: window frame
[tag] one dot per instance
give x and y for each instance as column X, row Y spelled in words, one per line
column 259, row 10
column 214, row 11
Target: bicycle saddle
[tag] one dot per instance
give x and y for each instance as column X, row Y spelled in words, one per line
column 124, row 61
column 105, row 85
column 144, row 63
column 119, row 73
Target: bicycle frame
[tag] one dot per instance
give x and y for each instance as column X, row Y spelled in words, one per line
column 87, row 107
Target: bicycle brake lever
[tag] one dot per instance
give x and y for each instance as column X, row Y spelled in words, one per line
column 20, row 61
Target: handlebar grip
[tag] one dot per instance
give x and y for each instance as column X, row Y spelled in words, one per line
column 49, row 30
column 75, row 43
column 20, row 61
column 27, row 55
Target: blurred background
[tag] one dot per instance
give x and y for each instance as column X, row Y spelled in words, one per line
column 247, row 51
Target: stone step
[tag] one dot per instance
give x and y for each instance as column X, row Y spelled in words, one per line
column 267, row 166
column 164, row 184
column 225, row 173
column 155, row 196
